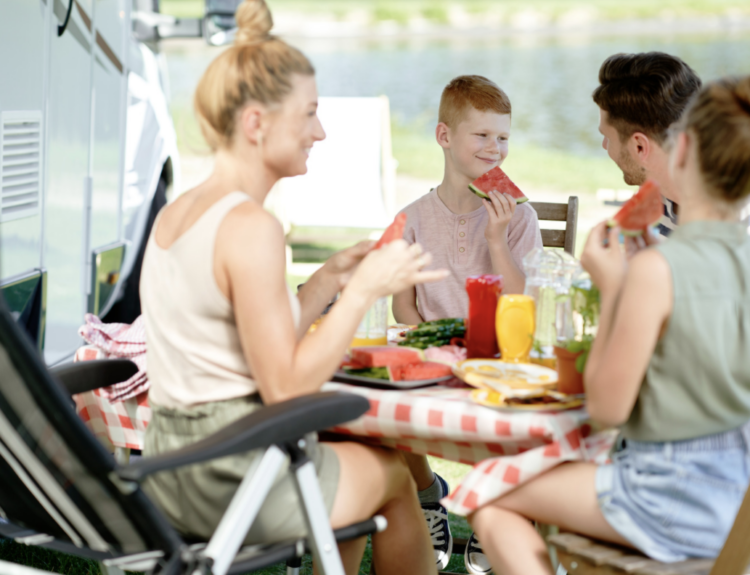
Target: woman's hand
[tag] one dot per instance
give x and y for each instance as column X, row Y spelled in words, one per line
column 500, row 209
column 342, row 265
column 392, row 269
column 604, row 259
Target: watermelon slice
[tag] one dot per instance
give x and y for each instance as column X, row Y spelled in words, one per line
column 419, row 371
column 377, row 356
column 496, row 179
column 645, row 208
column 393, row 232
column 371, row 372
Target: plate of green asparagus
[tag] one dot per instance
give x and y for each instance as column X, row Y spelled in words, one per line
column 434, row 333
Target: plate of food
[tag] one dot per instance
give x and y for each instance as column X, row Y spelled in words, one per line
column 391, row 367
column 397, row 332
column 544, row 400
column 522, row 379
column 434, row 333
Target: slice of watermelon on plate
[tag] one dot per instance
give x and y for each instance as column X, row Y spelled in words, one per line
column 496, row 179
column 644, row 209
column 393, row 232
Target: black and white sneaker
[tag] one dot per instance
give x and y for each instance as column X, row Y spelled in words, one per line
column 442, row 541
column 474, row 558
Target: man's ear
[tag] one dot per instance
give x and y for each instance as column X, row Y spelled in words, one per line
column 681, row 146
column 641, row 146
column 250, row 123
column 442, row 135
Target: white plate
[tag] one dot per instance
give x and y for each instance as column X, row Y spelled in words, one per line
column 510, row 379
column 493, row 400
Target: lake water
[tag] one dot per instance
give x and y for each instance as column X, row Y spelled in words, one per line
column 549, row 80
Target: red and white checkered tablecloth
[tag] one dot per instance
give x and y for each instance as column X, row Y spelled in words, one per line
column 506, row 448
column 119, row 423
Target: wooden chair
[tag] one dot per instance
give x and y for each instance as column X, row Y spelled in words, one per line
column 554, row 212
column 583, row 556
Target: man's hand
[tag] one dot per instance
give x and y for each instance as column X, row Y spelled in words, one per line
column 500, row 209
column 341, row 265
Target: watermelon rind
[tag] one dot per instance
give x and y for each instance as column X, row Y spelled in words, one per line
column 629, row 233
column 484, row 196
column 478, row 192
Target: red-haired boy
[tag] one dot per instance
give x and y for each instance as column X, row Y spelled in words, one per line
column 468, row 236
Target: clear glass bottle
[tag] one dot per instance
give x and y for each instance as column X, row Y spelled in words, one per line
column 373, row 329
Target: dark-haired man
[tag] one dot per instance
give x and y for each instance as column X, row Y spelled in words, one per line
column 639, row 97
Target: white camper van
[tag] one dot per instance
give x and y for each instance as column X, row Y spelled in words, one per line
column 87, row 154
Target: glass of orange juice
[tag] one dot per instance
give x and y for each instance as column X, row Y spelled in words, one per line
column 515, row 324
column 373, row 329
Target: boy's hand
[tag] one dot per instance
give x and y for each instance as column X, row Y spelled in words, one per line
column 500, row 208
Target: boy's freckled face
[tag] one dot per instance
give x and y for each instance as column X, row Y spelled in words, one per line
column 480, row 142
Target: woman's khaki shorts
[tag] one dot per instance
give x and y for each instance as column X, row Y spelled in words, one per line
column 195, row 497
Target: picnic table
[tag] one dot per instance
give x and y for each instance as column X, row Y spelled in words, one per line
column 505, row 448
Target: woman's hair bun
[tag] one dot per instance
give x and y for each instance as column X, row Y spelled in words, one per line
column 254, row 22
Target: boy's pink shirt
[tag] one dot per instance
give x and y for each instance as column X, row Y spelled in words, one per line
column 439, row 231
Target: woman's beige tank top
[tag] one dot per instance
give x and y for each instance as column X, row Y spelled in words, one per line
column 193, row 348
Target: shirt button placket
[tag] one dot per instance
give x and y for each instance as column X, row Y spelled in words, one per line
column 462, row 241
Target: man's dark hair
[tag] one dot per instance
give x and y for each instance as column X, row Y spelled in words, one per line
column 645, row 92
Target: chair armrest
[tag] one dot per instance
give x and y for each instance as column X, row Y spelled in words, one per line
column 87, row 375
column 275, row 424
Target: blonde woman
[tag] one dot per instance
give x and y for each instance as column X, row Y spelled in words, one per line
column 225, row 335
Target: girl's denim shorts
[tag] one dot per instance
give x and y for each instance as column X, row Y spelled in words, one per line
column 677, row 499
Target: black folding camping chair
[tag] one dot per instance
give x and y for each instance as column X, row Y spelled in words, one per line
column 60, row 489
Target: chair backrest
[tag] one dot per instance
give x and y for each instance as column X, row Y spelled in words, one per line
column 554, row 212
column 55, row 476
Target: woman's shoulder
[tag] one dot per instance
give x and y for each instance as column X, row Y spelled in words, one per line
column 250, row 220
column 650, row 270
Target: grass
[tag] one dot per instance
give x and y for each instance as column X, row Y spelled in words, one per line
column 438, row 11
column 46, row 559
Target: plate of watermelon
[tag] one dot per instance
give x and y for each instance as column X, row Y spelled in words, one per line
column 392, row 367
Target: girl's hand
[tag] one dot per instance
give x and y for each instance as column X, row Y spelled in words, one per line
column 634, row 244
column 604, row 259
column 392, row 269
column 342, row 265
column 500, row 209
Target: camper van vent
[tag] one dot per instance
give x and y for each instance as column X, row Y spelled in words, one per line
column 20, row 165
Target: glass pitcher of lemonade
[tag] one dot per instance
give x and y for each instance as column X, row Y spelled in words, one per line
column 373, row 329
column 549, row 275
